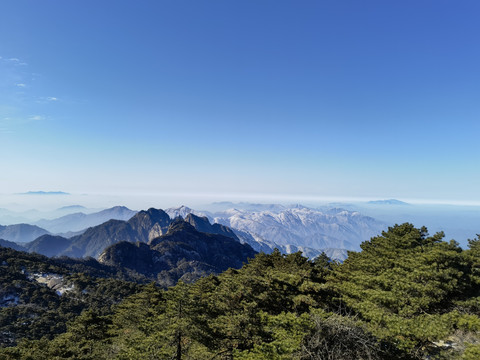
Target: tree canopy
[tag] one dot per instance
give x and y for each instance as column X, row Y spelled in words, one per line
column 405, row 295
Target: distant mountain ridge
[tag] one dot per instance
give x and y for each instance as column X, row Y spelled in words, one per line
column 72, row 207
column 301, row 226
column 11, row 217
column 11, row 245
column 246, row 206
column 44, row 193
column 24, row 233
column 21, row 233
column 142, row 227
column 296, row 228
column 81, row 221
column 288, row 229
column 387, row 202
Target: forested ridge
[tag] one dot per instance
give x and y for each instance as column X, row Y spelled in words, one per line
column 405, row 295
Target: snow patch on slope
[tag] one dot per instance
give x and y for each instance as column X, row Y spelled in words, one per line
column 53, row 281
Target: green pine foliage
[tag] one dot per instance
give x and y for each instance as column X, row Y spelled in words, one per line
column 405, row 295
column 36, row 310
column 405, row 286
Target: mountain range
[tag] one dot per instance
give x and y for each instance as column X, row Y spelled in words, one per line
column 31, row 216
column 152, row 244
column 301, row 226
column 142, row 227
column 66, row 226
column 292, row 229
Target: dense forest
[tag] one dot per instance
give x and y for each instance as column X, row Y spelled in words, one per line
column 405, row 295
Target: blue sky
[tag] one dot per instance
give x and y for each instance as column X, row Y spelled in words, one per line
column 320, row 99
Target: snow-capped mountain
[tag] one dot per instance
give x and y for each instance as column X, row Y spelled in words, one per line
column 226, row 205
column 183, row 211
column 296, row 228
column 301, row 226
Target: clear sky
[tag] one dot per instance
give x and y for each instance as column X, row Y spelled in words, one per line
column 322, row 99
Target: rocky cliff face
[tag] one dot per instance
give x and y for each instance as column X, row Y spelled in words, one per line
column 150, row 224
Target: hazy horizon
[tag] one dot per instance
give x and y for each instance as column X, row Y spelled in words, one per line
column 24, row 201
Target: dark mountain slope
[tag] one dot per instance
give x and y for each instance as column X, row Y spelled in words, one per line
column 48, row 245
column 95, row 239
column 217, row 250
column 183, row 253
column 11, row 245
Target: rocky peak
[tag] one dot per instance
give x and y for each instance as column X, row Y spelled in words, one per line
column 150, row 223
